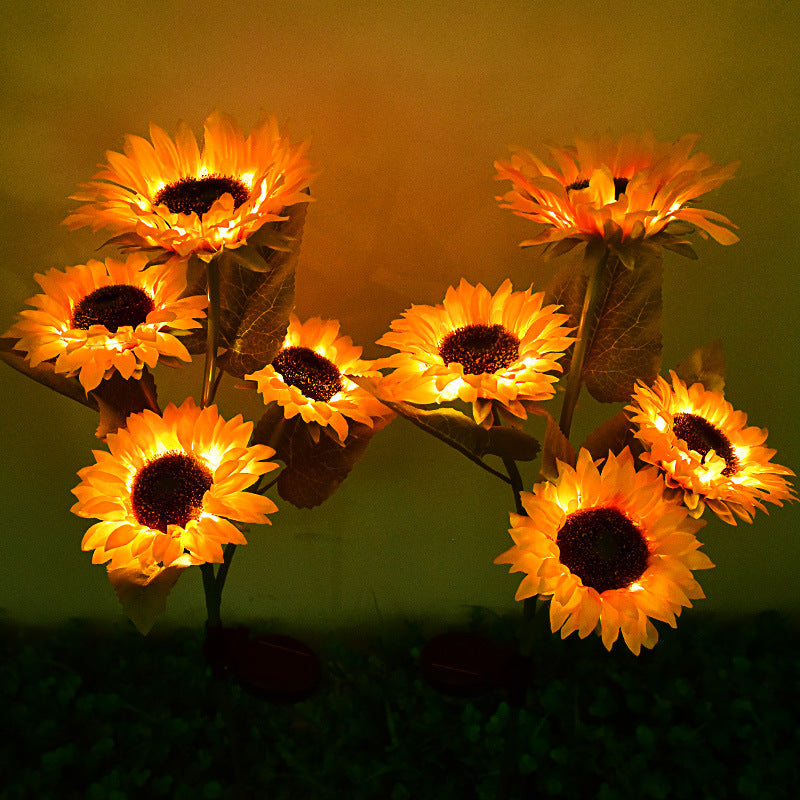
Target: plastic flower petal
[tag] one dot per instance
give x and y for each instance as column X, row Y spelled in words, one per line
column 609, row 548
column 184, row 200
column 481, row 348
column 706, row 450
column 99, row 317
column 627, row 190
column 308, row 377
column 168, row 489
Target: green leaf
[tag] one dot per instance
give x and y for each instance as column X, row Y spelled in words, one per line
column 512, row 443
column 249, row 258
column 117, row 398
column 457, row 430
column 673, row 237
column 559, row 248
column 681, row 247
column 314, row 469
column 449, row 425
column 255, row 306
column 556, row 446
column 212, row 790
column 114, row 398
column 704, row 365
column 677, row 227
column 44, row 373
column 275, row 237
column 256, row 295
column 626, row 255
column 625, row 342
column 144, row 597
column 133, row 242
column 129, row 241
column 270, row 429
column 615, row 434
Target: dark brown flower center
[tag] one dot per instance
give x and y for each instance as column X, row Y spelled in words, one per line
column 702, row 437
column 113, row 306
column 169, row 491
column 603, row 547
column 314, row 375
column 480, row 348
column 620, row 185
column 197, row 195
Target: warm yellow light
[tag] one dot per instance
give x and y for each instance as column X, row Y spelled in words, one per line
column 450, row 392
column 210, row 458
column 705, row 475
column 225, row 232
column 262, row 196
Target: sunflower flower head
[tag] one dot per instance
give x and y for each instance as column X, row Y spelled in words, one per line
column 609, row 548
column 626, row 191
column 185, row 200
column 706, row 450
column 482, row 348
column 308, row 377
column 101, row 317
column 168, row 489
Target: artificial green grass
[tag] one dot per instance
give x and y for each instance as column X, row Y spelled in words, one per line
column 99, row 714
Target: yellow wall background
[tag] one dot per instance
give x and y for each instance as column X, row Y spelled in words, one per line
column 408, row 104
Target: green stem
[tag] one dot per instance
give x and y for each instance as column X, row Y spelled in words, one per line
column 509, row 771
column 516, row 483
column 222, row 572
column 489, row 469
column 149, row 394
column 213, row 596
column 213, row 584
column 212, row 335
column 514, row 478
column 215, row 385
column 259, row 489
column 529, row 604
column 596, row 290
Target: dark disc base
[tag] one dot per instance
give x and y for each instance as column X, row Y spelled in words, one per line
column 277, row 668
column 465, row 664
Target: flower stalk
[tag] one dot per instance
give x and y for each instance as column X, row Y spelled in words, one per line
column 213, row 596
column 596, row 292
column 149, row 395
column 213, row 585
column 515, row 479
column 212, row 333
